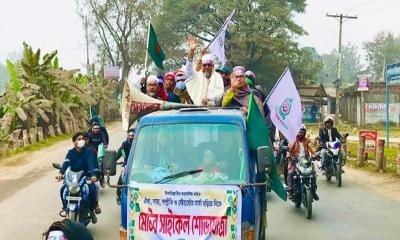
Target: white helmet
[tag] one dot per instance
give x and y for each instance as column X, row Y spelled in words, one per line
column 328, row 118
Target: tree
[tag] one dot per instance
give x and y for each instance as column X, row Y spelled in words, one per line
column 350, row 65
column 120, row 29
column 383, row 49
column 261, row 38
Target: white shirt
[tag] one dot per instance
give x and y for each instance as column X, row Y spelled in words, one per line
column 302, row 153
column 199, row 87
column 330, row 135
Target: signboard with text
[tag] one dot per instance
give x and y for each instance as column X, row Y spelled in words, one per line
column 371, row 138
column 362, row 83
column 163, row 211
column 393, row 73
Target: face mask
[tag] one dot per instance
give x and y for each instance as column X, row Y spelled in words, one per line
column 81, row 143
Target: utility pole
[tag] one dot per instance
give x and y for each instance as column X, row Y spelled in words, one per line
column 338, row 81
column 88, row 72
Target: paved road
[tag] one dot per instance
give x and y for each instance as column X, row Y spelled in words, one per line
column 30, row 203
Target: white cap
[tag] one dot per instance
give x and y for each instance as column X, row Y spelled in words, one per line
column 207, row 59
column 328, row 118
column 152, row 79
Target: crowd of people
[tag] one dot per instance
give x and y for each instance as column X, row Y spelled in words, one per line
column 203, row 84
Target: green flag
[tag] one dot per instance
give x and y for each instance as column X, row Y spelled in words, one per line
column 257, row 134
column 154, row 49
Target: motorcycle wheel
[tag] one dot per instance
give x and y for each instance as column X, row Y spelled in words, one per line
column 339, row 175
column 308, row 204
column 328, row 177
column 297, row 202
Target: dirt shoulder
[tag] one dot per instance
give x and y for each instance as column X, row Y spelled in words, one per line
column 383, row 184
column 23, row 164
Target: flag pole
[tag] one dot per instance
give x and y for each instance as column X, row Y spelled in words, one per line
column 147, row 49
column 276, row 84
column 226, row 22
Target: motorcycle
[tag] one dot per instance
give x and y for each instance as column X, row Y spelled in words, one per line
column 302, row 193
column 281, row 157
column 76, row 196
column 333, row 163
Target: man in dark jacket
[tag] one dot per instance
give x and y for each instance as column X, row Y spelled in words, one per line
column 123, row 151
column 96, row 137
column 97, row 119
column 80, row 158
column 328, row 134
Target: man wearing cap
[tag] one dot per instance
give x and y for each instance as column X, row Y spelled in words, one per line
column 153, row 88
column 239, row 93
column 224, row 71
column 206, row 86
column 169, row 84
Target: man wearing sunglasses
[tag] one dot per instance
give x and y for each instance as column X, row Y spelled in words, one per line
column 206, row 86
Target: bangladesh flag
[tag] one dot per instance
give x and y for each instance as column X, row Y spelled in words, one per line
column 257, row 135
column 154, row 49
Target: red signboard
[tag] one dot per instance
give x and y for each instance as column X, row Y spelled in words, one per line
column 371, row 138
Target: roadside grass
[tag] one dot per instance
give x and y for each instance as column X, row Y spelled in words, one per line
column 38, row 146
column 390, row 154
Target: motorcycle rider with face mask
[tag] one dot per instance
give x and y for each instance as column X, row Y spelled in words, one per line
column 328, row 134
column 80, row 158
column 301, row 148
column 123, row 151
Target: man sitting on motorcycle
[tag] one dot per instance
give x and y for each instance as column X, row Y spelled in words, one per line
column 301, row 148
column 328, row 134
column 80, row 158
column 123, row 151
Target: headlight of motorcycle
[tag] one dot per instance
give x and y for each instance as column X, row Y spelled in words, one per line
column 74, row 189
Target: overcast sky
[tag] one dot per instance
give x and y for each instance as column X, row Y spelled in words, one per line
column 54, row 24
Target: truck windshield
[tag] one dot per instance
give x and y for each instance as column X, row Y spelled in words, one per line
column 211, row 153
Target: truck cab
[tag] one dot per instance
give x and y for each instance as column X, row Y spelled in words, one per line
column 191, row 175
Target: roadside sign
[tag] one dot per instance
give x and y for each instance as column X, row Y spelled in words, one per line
column 362, row 83
column 393, row 73
column 371, row 138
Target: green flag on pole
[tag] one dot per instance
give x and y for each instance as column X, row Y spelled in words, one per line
column 257, row 135
column 154, row 49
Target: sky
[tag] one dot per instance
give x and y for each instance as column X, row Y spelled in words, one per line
column 54, row 24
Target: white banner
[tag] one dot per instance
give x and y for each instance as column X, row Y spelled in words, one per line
column 163, row 211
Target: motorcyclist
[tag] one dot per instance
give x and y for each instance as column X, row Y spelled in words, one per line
column 282, row 154
column 328, row 134
column 301, row 148
column 80, row 158
column 97, row 119
column 123, row 151
column 96, row 136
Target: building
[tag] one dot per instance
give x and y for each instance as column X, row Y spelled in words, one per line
column 373, row 104
column 313, row 101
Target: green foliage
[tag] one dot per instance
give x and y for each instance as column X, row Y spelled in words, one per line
column 40, row 91
column 15, row 81
column 351, row 66
column 383, row 49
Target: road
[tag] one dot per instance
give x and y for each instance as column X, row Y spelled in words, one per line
column 29, row 203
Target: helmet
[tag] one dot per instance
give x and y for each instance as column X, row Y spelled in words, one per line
column 303, row 128
column 328, row 119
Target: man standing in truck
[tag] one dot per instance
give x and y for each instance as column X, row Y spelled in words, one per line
column 206, row 86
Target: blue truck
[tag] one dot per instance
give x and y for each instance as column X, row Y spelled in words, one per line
column 189, row 158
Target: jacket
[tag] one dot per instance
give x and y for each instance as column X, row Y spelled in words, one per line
column 78, row 161
column 294, row 149
column 324, row 136
column 123, row 151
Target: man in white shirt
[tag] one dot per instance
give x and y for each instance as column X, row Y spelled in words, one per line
column 206, row 86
